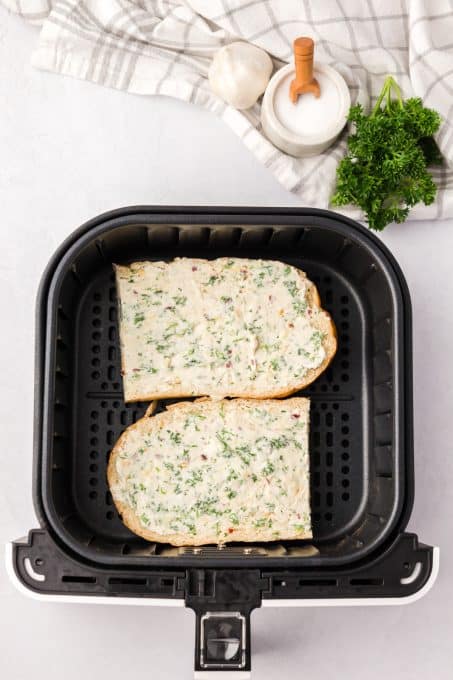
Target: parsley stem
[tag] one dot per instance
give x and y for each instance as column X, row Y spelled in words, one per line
column 386, row 92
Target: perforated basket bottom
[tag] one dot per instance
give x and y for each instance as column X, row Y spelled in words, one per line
column 338, row 412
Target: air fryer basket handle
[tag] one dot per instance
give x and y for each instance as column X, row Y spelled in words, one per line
column 223, row 600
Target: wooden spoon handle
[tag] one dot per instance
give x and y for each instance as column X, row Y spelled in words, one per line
column 303, row 58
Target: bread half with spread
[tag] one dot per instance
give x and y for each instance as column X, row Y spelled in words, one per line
column 229, row 327
column 213, row 471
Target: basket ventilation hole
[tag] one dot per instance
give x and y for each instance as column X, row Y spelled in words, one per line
column 67, row 578
column 366, row 581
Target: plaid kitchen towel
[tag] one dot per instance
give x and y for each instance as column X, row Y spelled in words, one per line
column 165, row 47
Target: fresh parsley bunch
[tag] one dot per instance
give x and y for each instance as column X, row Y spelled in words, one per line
column 385, row 170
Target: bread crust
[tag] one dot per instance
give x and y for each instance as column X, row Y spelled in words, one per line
column 127, row 513
column 322, row 322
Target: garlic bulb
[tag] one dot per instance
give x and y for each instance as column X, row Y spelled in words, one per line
column 239, row 74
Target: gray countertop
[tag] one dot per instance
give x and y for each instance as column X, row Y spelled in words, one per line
column 55, row 173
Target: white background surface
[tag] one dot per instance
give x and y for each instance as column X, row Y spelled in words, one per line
column 70, row 150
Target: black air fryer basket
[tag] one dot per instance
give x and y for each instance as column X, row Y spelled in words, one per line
column 361, row 431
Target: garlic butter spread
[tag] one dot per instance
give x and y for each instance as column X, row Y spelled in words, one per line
column 217, row 471
column 226, row 327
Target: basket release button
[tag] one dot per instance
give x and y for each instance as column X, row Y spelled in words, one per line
column 222, row 640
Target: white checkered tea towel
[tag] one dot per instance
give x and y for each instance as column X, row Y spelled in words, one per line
column 165, row 47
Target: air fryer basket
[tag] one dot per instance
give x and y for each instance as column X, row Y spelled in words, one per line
column 361, row 423
column 361, row 444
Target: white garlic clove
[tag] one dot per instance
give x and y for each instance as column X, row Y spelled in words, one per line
column 239, row 74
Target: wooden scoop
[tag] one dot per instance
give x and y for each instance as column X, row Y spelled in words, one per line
column 303, row 59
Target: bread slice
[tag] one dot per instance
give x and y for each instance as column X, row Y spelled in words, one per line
column 215, row 471
column 229, row 327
